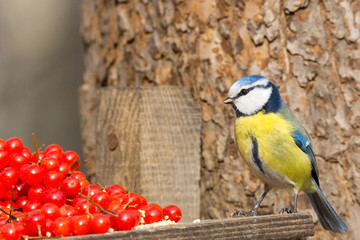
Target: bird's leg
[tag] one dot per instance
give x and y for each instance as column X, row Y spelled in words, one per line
column 253, row 211
column 289, row 210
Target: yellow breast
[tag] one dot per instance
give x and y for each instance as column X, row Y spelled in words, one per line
column 277, row 150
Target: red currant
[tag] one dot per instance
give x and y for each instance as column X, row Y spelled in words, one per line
column 4, row 158
column 52, row 179
column 14, row 145
column 101, row 198
column 81, row 225
column 31, row 174
column 115, row 190
column 51, row 211
column 35, row 221
column 71, row 186
column 172, row 213
column 67, row 211
column 62, row 226
column 128, row 219
column 72, row 158
column 54, row 147
column 153, row 213
column 11, row 231
column 100, row 223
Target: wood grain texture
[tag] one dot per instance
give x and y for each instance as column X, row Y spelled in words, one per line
column 292, row 226
column 309, row 49
column 148, row 140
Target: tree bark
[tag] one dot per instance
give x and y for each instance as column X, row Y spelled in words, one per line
column 309, row 49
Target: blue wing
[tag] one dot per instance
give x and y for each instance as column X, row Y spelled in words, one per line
column 304, row 144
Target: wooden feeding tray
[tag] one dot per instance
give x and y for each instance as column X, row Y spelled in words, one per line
column 284, row 226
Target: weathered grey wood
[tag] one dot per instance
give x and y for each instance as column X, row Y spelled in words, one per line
column 292, row 226
column 148, row 140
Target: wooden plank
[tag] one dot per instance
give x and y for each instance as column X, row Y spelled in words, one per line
column 284, row 226
column 148, row 140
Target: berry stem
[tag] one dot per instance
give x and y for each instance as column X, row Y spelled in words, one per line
column 101, row 208
column 36, row 149
column 100, row 186
column 74, row 162
column 12, row 199
column 11, row 217
column 78, row 167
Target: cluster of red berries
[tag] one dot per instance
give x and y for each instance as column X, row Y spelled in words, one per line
column 43, row 194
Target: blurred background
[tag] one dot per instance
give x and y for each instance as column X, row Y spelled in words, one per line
column 41, row 66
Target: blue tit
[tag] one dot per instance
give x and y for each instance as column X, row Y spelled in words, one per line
column 276, row 147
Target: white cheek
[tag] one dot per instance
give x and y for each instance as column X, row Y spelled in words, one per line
column 253, row 101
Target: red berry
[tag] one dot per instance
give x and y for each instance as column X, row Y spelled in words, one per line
column 93, row 189
column 81, row 225
column 54, row 154
column 82, row 207
column 22, row 188
column 51, row 211
column 14, row 145
column 78, row 199
column 115, row 206
column 31, row 174
column 11, row 231
column 67, row 211
column 172, row 213
column 52, row 179
column 101, row 198
column 32, row 205
column 83, row 182
column 2, row 190
column 50, row 164
column 64, row 168
column 2, row 144
column 153, row 213
column 49, row 227
column 4, row 158
column 62, row 226
column 7, row 193
column 54, row 147
column 127, row 219
column 34, row 158
column 17, row 160
column 34, row 192
column 100, row 223
column 78, row 175
column 35, row 221
column 7, row 204
column 26, row 152
column 72, row 158
column 71, row 186
column 53, row 195
column 133, row 200
column 21, row 201
column 115, row 190
column 9, row 176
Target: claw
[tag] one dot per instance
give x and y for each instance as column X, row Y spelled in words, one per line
column 287, row 210
column 248, row 214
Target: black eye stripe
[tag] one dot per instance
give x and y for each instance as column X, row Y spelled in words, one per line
column 244, row 91
column 241, row 93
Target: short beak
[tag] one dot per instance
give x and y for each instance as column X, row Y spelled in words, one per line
column 228, row 101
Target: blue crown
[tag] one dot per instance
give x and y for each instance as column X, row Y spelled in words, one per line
column 248, row 80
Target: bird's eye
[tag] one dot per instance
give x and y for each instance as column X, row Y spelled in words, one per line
column 244, row 92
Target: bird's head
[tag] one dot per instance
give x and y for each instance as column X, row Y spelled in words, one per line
column 254, row 93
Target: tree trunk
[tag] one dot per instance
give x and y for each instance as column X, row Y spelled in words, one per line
column 309, row 49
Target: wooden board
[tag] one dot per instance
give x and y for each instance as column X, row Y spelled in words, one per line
column 148, row 140
column 286, row 226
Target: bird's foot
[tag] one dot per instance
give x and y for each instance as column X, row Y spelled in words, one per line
column 248, row 214
column 287, row 210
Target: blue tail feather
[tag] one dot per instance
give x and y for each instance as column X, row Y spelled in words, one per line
column 329, row 219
